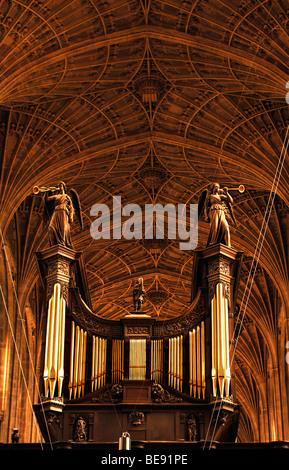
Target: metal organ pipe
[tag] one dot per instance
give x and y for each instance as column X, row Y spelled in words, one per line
column 175, row 367
column 197, row 362
column 221, row 375
column 53, row 374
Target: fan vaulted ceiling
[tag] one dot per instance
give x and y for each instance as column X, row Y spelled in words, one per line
column 150, row 101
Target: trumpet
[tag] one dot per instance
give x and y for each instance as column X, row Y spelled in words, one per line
column 43, row 189
column 240, row 188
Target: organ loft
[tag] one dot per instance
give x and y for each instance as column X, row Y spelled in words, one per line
column 170, row 380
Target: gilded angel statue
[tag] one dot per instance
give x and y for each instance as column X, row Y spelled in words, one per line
column 61, row 209
column 216, row 206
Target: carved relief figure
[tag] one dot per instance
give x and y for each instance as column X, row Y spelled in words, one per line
column 216, row 205
column 60, row 209
column 80, row 430
column 138, row 295
column 192, row 428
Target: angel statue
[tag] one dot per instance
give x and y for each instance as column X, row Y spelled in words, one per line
column 138, row 295
column 61, row 209
column 216, row 205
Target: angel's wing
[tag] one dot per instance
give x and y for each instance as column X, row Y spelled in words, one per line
column 76, row 205
column 202, row 209
column 231, row 211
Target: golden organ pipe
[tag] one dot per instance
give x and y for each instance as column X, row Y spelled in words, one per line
column 61, row 345
column 79, row 373
column 113, row 369
column 203, row 359
column 177, row 362
column 113, row 359
column 226, row 347
column 98, row 358
column 220, row 342
column 47, row 350
column 153, row 374
column 53, row 373
column 169, row 363
column 75, row 362
column 161, row 359
column 103, row 358
column 199, row 378
column 97, row 365
column 92, row 363
column 221, row 349
column 55, row 345
column 72, row 344
column 194, row 360
column 122, row 357
column 118, row 360
column 98, row 342
column 153, row 360
column 174, row 362
column 83, row 362
column 137, row 359
column 190, row 364
column 214, row 345
column 95, row 371
column 181, row 363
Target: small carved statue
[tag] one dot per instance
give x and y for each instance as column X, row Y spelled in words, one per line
column 80, row 429
column 15, row 436
column 216, row 205
column 158, row 393
column 192, row 428
column 136, row 418
column 138, row 295
column 60, row 209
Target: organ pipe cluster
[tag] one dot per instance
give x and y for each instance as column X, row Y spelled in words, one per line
column 157, row 360
column 117, row 366
column 137, row 359
column 175, row 365
column 220, row 343
column 76, row 385
column 53, row 373
column 197, row 362
column 98, row 363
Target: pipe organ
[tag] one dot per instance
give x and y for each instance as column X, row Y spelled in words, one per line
column 185, row 361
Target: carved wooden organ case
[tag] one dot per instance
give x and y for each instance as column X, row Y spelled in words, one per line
column 158, row 380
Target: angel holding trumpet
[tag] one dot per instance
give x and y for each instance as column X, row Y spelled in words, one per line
column 60, row 209
column 216, row 206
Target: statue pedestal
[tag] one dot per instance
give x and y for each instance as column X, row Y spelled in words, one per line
column 137, row 325
column 137, row 314
column 137, row 391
